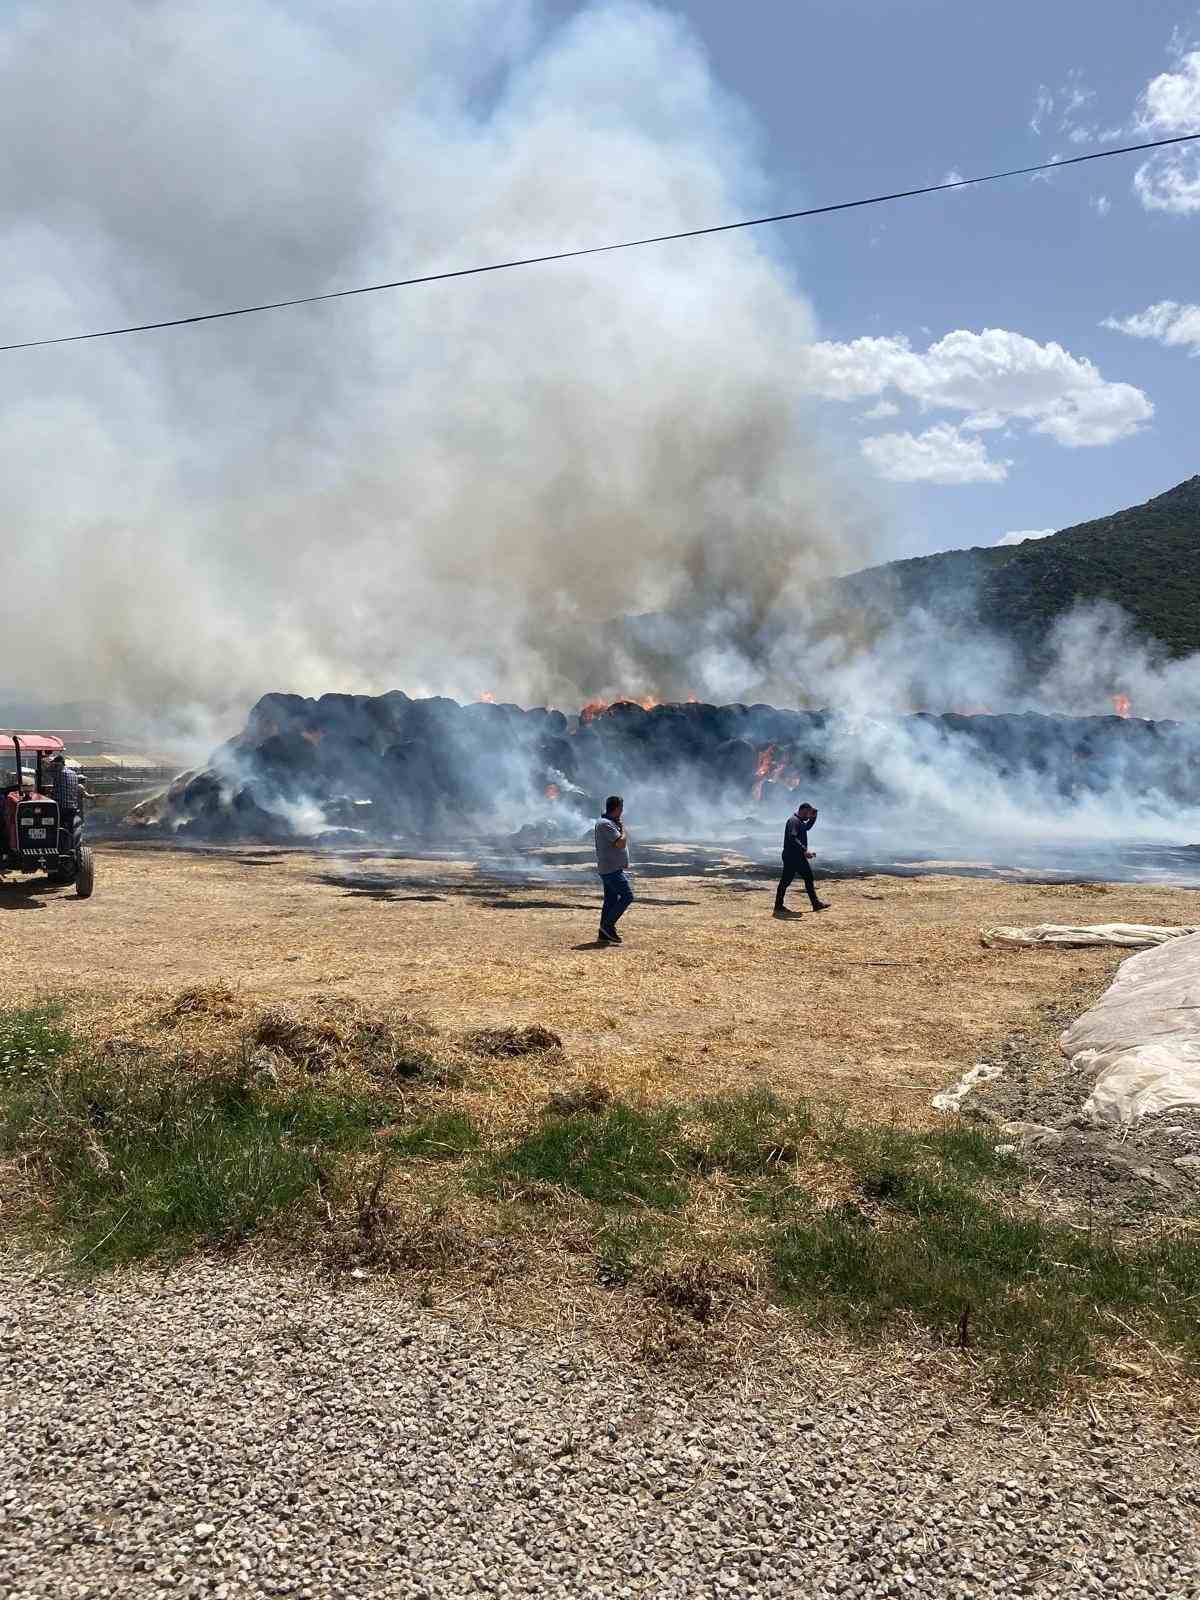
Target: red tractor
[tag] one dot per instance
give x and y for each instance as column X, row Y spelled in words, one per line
column 33, row 836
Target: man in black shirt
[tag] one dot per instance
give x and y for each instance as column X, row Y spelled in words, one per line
column 796, row 858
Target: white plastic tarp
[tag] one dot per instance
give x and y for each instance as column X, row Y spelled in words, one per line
column 1140, row 1042
column 1123, row 935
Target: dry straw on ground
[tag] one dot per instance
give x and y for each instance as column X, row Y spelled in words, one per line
column 500, row 1009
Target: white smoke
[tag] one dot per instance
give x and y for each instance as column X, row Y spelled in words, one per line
column 449, row 488
column 454, row 488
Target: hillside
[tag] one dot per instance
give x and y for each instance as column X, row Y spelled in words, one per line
column 1145, row 559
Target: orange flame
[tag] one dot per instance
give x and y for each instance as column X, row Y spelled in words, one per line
column 775, row 769
column 552, row 791
column 487, row 698
column 692, row 699
column 595, row 707
column 1121, row 704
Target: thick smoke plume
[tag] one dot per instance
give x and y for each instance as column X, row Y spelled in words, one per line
column 463, row 488
column 453, row 488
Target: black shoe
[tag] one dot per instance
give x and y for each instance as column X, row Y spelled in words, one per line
column 821, row 905
column 613, row 936
column 785, row 915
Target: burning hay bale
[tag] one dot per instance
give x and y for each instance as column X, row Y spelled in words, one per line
column 513, row 1041
column 347, row 767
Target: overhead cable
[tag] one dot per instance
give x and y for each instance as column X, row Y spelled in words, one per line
column 600, row 249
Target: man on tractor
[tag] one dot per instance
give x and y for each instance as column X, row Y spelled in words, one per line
column 67, row 789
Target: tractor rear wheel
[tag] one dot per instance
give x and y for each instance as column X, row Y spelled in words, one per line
column 85, row 877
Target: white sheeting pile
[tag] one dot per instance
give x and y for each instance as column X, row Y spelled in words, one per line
column 1140, row 1042
column 1124, row 935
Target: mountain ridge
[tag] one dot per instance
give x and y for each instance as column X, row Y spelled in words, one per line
column 1145, row 559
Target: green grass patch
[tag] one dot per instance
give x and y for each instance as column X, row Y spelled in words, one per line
column 142, row 1158
column 31, row 1041
column 616, row 1157
column 746, row 1135
column 628, row 1246
column 1032, row 1300
column 445, row 1136
column 149, row 1156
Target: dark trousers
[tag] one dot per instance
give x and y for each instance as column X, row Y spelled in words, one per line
column 618, row 896
column 791, row 871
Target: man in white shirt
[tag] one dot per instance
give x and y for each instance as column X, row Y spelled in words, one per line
column 612, row 863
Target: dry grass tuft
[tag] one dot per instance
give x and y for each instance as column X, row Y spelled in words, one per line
column 699, row 1286
column 584, row 1097
column 315, row 1045
column 217, row 1001
column 512, row 1041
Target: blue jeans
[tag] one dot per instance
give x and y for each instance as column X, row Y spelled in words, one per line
column 618, row 895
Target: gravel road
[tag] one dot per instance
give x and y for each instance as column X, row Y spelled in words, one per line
column 230, row 1433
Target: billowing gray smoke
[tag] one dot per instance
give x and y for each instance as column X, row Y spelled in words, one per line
column 455, row 487
column 459, row 488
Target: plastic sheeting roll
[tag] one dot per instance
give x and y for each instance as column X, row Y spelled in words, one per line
column 1140, row 1042
column 1122, row 935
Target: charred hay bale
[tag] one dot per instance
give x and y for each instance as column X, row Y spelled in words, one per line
column 558, row 755
column 733, row 765
column 287, row 761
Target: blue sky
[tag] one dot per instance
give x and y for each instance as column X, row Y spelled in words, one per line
column 853, row 97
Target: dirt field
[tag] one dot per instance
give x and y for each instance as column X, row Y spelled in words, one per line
column 878, row 1002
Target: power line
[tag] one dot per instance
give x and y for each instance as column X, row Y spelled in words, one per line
column 602, row 249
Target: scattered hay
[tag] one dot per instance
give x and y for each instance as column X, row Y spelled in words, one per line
column 314, row 1045
column 217, row 1002
column 583, row 1097
column 699, row 1286
column 512, row 1041
column 319, row 1040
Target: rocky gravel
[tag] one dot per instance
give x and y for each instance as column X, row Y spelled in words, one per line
column 227, row 1432
column 1122, row 1176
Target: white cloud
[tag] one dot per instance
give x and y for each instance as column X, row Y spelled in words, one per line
column 1168, row 322
column 954, row 176
column 1101, row 205
column 939, row 455
column 881, row 410
column 1062, row 106
column 995, row 377
column 1170, row 104
column 1026, row 533
column 1170, row 181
